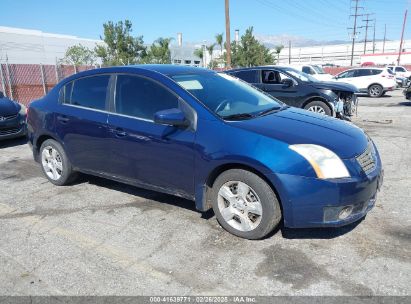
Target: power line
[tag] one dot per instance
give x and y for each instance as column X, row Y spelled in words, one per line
column 354, row 28
column 366, row 20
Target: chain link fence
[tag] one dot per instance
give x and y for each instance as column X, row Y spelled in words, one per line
column 26, row 82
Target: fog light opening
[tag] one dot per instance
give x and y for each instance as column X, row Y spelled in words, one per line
column 345, row 212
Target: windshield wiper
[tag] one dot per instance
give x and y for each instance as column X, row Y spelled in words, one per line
column 238, row 116
column 269, row 111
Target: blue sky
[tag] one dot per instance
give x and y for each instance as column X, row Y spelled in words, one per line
column 201, row 20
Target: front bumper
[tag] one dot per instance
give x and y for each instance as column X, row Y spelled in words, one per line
column 312, row 202
column 13, row 127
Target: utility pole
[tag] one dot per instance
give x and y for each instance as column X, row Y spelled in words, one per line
column 354, row 28
column 227, row 33
column 385, row 36
column 402, row 36
column 366, row 30
column 289, row 52
column 373, row 38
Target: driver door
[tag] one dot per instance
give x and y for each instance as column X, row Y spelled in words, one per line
column 273, row 84
column 142, row 150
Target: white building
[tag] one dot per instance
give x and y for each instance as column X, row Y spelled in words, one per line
column 26, row 46
column 340, row 54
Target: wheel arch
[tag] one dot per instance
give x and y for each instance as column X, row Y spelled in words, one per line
column 319, row 98
column 39, row 141
column 203, row 203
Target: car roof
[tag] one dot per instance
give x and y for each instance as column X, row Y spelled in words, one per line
column 279, row 67
column 171, row 69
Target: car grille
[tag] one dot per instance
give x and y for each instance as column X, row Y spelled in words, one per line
column 8, row 117
column 9, row 131
column 367, row 159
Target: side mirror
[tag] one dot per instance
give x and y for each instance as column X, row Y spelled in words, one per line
column 171, row 117
column 287, row 83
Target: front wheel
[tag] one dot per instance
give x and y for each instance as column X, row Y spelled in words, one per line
column 375, row 91
column 55, row 164
column 319, row 107
column 244, row 204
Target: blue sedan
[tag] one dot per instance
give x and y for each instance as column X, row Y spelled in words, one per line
column 210, row 138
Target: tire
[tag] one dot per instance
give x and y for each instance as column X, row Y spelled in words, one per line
column 55, row 163
column 375, row 91
column 318, row 106
column 252, row 215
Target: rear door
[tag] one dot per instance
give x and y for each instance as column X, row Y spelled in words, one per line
column 81, row 122
column 250, row 76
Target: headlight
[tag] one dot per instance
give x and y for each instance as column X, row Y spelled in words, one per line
column 23, row 110
column 325, row 163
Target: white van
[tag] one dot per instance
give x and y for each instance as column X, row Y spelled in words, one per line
column 314, row 70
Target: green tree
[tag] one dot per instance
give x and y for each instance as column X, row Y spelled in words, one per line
column 121, row 47
column 250, row 52
column 278, row 50
column 199, row 53
column 219, row 40
column 210, row 50
column 79, row 55
column 159, row 52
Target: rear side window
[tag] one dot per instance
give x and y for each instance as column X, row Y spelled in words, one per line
column 400, row 69
column 376, row 72
column 250, row 76
column 88, row 92
column 141, row 97
column 363, row 72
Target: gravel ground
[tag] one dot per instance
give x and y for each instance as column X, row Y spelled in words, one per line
column 99, row 237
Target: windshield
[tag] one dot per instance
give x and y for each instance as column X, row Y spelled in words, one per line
column 300, row 75
column 227, row 96
column 318, row 69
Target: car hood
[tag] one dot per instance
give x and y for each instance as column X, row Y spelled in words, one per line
column 333, row 85
column 8, row 107
column 297, row 126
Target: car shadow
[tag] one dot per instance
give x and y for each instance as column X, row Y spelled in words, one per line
column 318, row 233
column 143, row 193
column 8, row 143
column 171, row 200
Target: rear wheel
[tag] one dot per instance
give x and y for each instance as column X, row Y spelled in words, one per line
column 319, row 107
column 55, row 164
column 375, row 90
column 244, row 204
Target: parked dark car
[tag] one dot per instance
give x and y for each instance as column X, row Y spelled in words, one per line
column 208, row 137
column 301, row 90
column 12, row 118
column 407, row 92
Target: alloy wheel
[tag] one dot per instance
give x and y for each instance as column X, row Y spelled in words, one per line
column 52, row 163
column 317, row 109
column 240, row 205
column 375, row 91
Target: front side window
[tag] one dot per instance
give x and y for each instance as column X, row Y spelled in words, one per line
column 273, row 77
column 347, row 74
column 226, row 95
column 142, row 97
column 88, row 92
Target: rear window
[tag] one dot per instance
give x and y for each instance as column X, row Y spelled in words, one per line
column 250, row 76
column 88, row 92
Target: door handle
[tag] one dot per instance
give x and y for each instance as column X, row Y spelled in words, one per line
column 63, row 119
column 119, row 132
